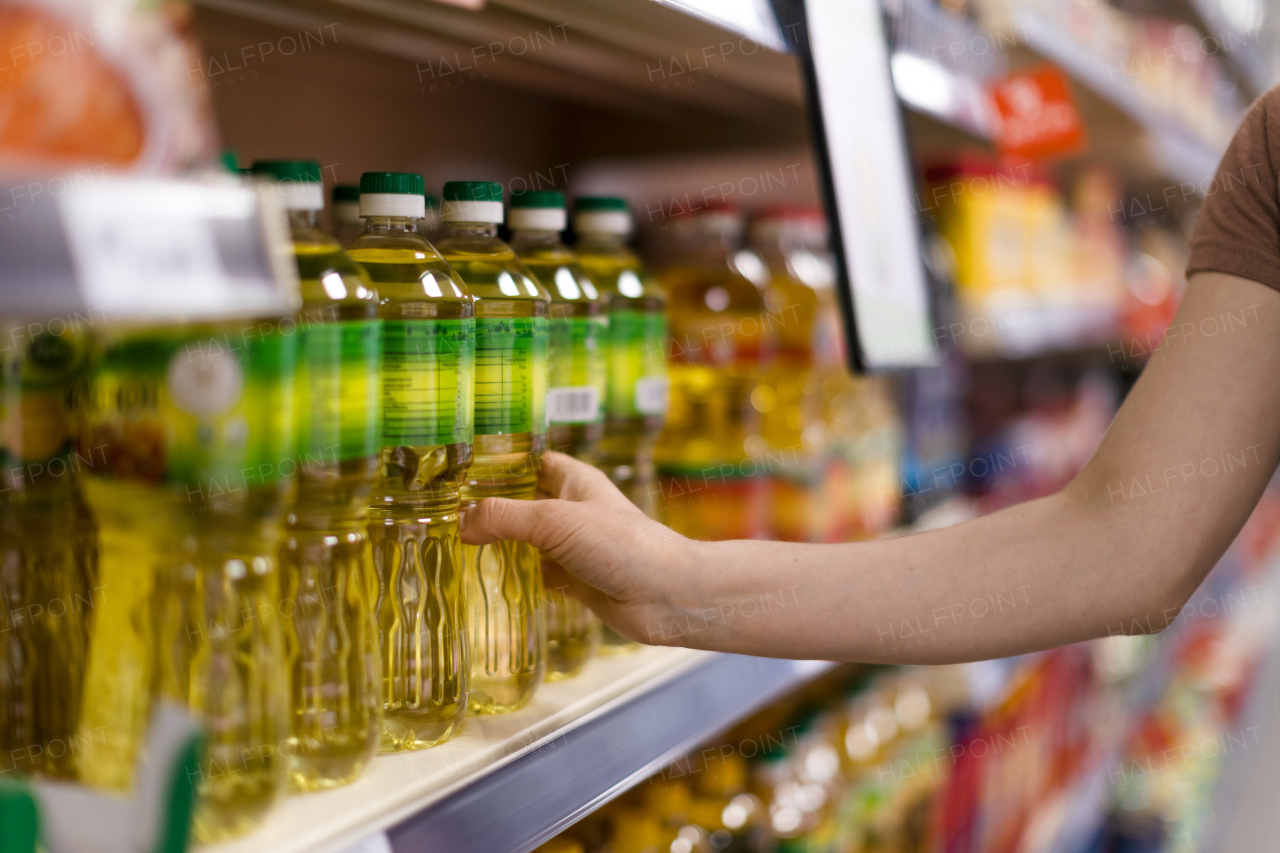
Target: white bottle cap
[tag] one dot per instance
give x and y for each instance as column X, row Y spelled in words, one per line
column 603, row 222
column 537, row 218
column 347, row 213
column 471, row 211
column 405, row 205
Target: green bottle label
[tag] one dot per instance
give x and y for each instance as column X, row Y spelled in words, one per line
column 338, row 390
column 579, row 370
column 207, row 411
column 637, row 364
column 511, row 375
column 427, row 366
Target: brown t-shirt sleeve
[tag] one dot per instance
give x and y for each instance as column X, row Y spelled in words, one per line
column 1238, row 230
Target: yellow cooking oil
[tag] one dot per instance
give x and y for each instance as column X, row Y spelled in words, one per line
column 710, row 456
column 787, row 240
column 504, row 580
column 428, row 362
column 330, row 628
column 194, row 422
column 576, row 392
column 48, row 546
column 636, row 397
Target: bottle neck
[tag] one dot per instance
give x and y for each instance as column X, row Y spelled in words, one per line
column 390, row 225
column 536, row 236
column 471, row 229
column 302, row 219
column 596, row 243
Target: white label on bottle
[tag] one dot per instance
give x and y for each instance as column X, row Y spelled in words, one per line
column 159, row 248
column 651, row 395
column 580, row 404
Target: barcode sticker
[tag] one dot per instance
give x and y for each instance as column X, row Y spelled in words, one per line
column 651, row 395
column 573, row 405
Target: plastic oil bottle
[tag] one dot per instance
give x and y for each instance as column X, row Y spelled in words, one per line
column 48, row 546
column 636, row 400
column 789, row 397
column 576, row 392
column 194, row 420
column 504, row 580
column 708, row 458
column 636, row 403
column 345, row 214
column 331, row 633
column 428, row 361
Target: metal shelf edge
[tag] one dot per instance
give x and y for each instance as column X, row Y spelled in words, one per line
column 574, row 770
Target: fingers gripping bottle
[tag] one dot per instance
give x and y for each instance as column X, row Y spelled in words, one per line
column 193, row 420
column 708, row 455
column 576, row 393
column 636, row 399
column 48, row 546
column 428, row 361
column 330, row 631
column 504, row 580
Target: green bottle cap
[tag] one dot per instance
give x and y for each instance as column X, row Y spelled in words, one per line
column 230, row 161
column 301, row 171
column 599, row 204
column 553, row 199
column 473, row 191
column 600, row 214
column 346, row 193
column 297, row 181
column 472, row 201
column 389, row 183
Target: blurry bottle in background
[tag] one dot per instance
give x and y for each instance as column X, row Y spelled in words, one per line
column 576, row 388
column 346, row 224
column 330, row 628
column 790, row 242
column 504, row 579
column 636, row 401
column 428, row 364
column 48, row 546
column 194, row 419
column 708, row 458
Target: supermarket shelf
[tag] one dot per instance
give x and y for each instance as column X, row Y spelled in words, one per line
column 1182, row 155
column 1242, row 49
column 507, row 783
column 935, row 91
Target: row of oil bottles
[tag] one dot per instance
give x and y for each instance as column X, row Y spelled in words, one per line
column 258, row 516
column 855, row 774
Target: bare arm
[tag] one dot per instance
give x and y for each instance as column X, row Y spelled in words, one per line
column 1119, row 550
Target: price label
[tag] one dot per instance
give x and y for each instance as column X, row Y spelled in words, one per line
column 162, row 249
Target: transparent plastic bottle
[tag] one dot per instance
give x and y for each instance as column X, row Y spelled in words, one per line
column 193, row 421
column 344, row 214
column 788, row 240
column 709, row 458
column 636, row 401
column 48, row 546
column 576, row 392
column 504, row 580
column 428, row 361
column 331, row 633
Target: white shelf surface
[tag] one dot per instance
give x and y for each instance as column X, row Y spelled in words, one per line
column 508, row 782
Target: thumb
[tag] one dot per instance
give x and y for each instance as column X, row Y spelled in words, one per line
column 504, row 518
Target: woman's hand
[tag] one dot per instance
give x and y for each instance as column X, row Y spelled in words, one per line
column 602, row 550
